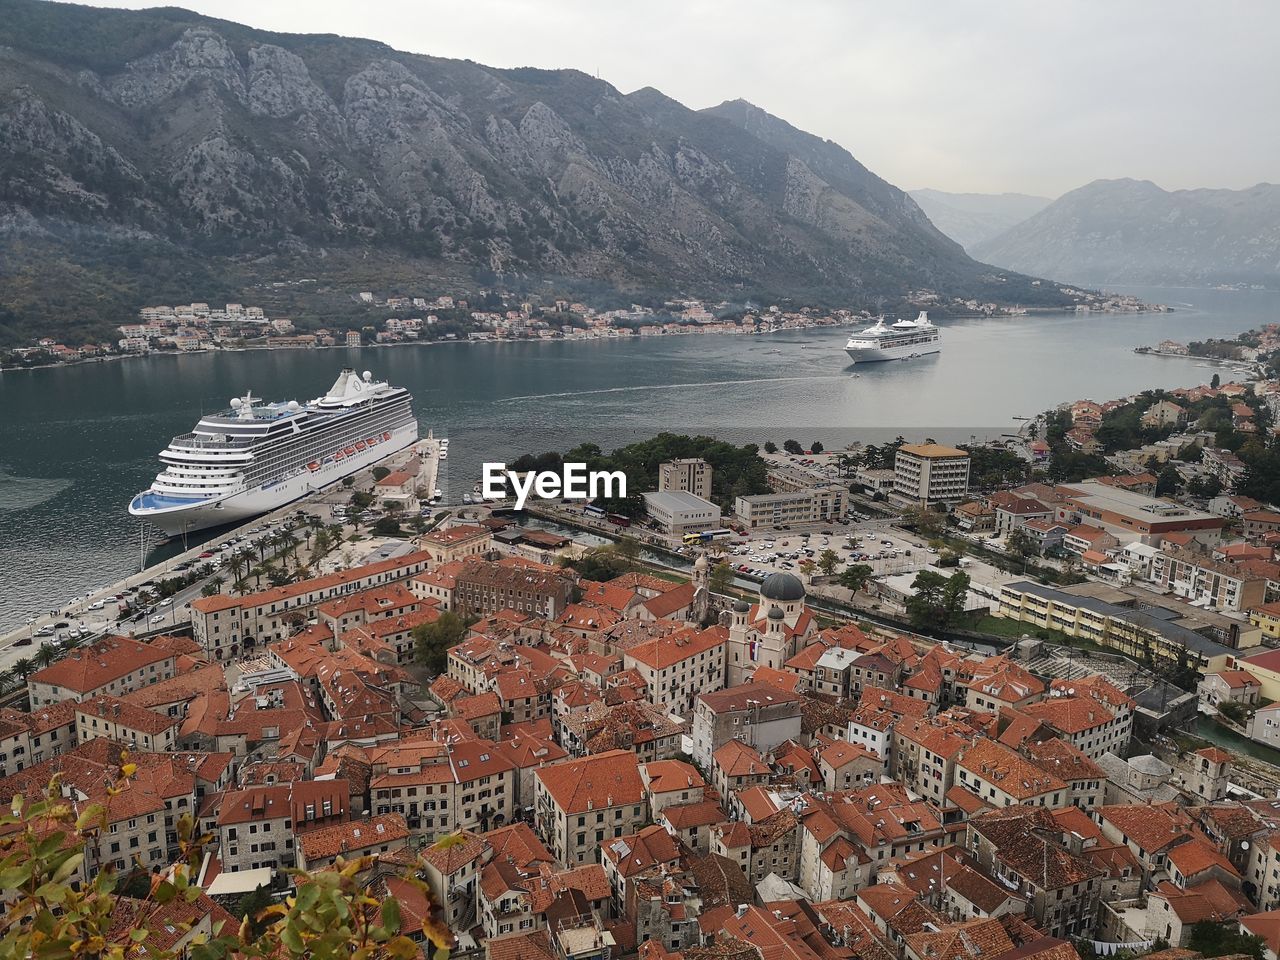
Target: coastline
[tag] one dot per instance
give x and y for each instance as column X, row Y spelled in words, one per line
column 632, row 334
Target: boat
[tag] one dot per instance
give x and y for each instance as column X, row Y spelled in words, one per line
column 903, row 340
column 256, row 457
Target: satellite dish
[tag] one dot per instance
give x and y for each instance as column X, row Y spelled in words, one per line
column 235, row 403
column 1244, row 844
column 367, row 376
column 293, row 406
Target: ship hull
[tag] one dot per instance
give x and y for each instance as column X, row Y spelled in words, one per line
column 901, row 352
column 244, row 504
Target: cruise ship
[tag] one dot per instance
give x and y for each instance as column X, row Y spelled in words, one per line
column 256, row 457
column 898, row 341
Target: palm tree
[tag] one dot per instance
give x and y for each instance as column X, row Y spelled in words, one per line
column 257, row 573
column 23, row 667
column 46, row 654
column 236, row 563
column 69, row 643
column 6, row 681
column 287, row 543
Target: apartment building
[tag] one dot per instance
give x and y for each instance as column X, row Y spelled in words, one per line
column 1199, row 578
column 1124, row 627
column 258, row 826
column 679, row 667
column 685, row 476
column 441, row 787
column 582, row 804
column 483, row 588
column 226, row 626
column 112, row 666
column 809, row 505
column 136, row 727
column 1000, row 777
column 930, row 473
column 759, row 714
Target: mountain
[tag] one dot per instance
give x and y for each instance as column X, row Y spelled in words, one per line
column 971, row 218
column 161, row 156
column 1132, row 231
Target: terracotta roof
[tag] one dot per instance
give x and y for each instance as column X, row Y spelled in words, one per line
column 1209, row 900
column 455, row 850
column 674, row 600
column 668, row 775
column 88, row 668
column 353, row 836
column 595, row 782
column 1007, row 771
column 738, row 759
column 1196, row 855
column 682, row 645
column 303, row 587
column 126, row 714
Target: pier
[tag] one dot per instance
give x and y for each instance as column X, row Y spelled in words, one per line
column 97, row 612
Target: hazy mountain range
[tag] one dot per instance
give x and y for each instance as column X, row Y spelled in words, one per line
column 161, row 155
column 971, row 218
column 1132, row 231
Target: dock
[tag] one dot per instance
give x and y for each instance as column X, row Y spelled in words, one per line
column 174, row 617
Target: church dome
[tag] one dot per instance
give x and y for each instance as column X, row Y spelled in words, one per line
column 741, row 606
column 775, row 613
column 785, row 587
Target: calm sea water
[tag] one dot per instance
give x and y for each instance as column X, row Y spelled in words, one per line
column 77, row 442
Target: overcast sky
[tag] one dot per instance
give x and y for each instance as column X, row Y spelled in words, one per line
column 982, row 95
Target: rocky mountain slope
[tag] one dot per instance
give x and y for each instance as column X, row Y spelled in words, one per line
column 1133, row 231
column 971, row 218
column 159, row 154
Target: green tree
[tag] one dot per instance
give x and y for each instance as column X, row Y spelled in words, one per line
column 924, row 521
column 380, row 473
column 770, row 447
column 628, row 549
column 1206, row 487
column 387, row 527
column 817, row 446
column 1215, row 381
column 792, row 447
column 348, row 482
column 1020, row 543
column 937, row 601
column 431, row 641
column 361, row 499
column 1168, row 482
column 855, row 576
column 46, row 655
column 828, row 560
column 720, row 577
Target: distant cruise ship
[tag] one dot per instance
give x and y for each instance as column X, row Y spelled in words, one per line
column 256, row 457
column 900, row 341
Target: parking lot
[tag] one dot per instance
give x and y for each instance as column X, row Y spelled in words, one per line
column 870, row 543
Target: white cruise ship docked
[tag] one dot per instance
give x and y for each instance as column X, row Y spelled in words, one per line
column 256, row 457
column 898, row 341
